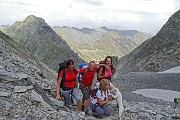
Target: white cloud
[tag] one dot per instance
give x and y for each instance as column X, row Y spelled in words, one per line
column 143, row 15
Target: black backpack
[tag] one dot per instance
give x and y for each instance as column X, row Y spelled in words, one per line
column 103, row 71
column 62, row 66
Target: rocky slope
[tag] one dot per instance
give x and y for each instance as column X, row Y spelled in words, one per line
column 26, row 87
column 158, row 53
column 38, row 37
column 91, row 44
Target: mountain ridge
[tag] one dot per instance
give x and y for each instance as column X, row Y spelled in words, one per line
column 159, row 53
column 40, row 39
column 86, row 42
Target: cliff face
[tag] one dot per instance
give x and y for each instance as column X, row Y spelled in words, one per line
column 37, row 36
column 159, row 53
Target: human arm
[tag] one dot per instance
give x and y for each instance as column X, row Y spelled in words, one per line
column 100, row 74
column 101, row 102
column 104, row 65
column 76, row 80
column 58, row 97
column 110, row 97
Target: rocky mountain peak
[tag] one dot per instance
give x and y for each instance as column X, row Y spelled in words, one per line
column 104, row 27
column 40, row 39
column 33, row 18
column 159, row 53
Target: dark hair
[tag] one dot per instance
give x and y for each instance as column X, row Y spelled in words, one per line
column 112, row 67
column 92, row 62
column 69, row 62
column 107, row 58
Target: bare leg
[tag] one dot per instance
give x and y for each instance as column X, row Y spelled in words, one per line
column 87, row 102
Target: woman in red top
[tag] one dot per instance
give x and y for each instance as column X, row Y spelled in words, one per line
column 70, row 85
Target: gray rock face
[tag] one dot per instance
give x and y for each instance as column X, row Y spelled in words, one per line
column 159, row 53
column 21, row 89
column 20, row 105
column 4, row 94
column 38, row 37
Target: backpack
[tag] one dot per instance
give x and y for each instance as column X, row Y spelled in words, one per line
column 61, row 67
column 94, row 91
column 81, row 66
column 103, row 71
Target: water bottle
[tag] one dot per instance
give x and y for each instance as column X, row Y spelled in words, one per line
column 176, row 101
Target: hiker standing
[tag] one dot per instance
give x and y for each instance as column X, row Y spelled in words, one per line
column 101, row 98
column 87, row 80
column 69, row 85
column 104, row 72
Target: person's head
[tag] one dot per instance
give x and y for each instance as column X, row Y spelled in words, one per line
column 104, row 84
column 70, row 64
column 91, row 65
column 108, row 60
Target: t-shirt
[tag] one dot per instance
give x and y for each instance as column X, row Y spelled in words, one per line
column 108, row 73
column 88, row 78
column 70, row 77
column 100, row 94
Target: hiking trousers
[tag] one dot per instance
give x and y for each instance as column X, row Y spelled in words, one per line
column 74, row 92
column 100, row 110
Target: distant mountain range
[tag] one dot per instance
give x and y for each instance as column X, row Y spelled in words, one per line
column 158, row 53
column 96, row 44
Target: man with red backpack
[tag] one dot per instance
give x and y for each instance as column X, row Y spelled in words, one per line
column 87, row 80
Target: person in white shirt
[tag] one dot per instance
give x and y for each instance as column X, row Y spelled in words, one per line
column 101, row 98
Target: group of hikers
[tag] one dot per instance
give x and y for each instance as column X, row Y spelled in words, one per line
column 97, row 99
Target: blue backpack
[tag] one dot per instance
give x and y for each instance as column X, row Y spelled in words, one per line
column 81, row 66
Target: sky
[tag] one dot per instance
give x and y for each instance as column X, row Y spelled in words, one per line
column 142, row 15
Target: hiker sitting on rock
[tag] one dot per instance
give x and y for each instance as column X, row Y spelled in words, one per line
column 87, row 80
column 69, row 84
column 101, row 98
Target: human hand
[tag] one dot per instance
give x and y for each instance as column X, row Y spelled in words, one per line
column 110, row 98
column 58, row 97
